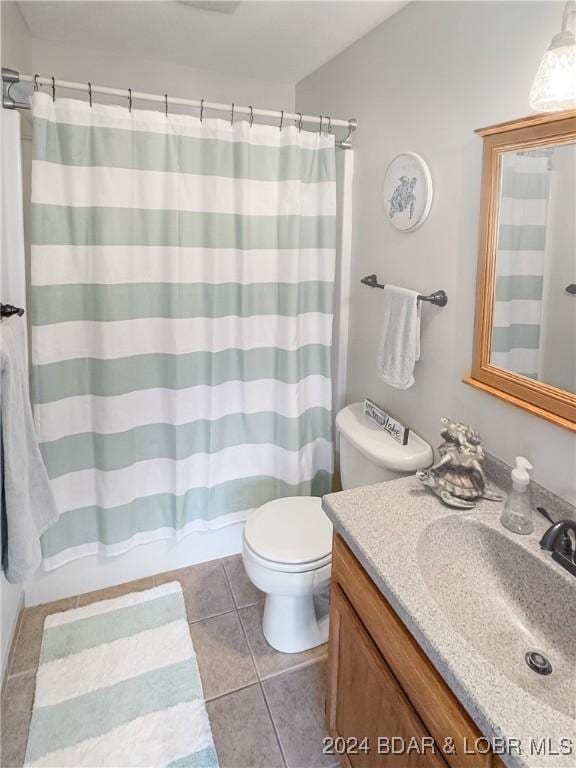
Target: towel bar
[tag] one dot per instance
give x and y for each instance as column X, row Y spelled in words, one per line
column 438, row 298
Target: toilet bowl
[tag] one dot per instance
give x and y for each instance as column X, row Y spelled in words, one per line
column 287, row 554
column 287, row 543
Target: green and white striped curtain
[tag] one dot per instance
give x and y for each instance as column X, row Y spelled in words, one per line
column 182, row 276
column 520, row 258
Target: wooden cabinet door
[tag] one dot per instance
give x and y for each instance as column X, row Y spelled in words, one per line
column 365, row 703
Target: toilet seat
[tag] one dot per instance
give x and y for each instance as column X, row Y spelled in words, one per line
column 291, row 534
column 272, row 565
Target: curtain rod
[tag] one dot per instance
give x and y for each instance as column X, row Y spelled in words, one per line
column 11, row 76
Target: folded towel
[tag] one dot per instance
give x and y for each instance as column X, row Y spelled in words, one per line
column 28, row 505
column 400, row 345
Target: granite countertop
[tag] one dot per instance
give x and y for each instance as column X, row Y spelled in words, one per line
column 395, row 529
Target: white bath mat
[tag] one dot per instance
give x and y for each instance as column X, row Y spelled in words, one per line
column 118, row 685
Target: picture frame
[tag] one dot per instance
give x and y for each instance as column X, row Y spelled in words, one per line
column 407, row 191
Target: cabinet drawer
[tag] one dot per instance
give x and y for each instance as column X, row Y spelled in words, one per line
column 436, row 705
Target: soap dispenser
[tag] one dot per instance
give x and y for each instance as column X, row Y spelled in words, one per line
column 517, row 514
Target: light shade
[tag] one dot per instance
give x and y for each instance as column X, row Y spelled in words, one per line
column 554, row 87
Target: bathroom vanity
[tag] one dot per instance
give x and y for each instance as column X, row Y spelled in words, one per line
column 432, row 614
column 381, row 685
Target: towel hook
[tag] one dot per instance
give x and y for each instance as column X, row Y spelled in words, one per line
column 7, row 310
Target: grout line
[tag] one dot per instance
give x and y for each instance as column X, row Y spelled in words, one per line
column 229, row 584
column 213, row 615
column 280, row 747
column 236, row 603
column 259, row 679
column 233, row 690
column 295, row 668
column 301, row 665
column 251, row 605
column 241, row 687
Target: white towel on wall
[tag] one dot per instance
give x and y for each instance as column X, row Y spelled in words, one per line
column 400, row 343
column 27, row 504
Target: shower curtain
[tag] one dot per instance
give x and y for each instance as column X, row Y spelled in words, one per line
column 182, row 279
column 520, row 263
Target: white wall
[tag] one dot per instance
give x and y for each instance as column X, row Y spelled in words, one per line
column 16, row 40
column 16, row 46
column 423, row 81
column 105, row 68
column 85, row 65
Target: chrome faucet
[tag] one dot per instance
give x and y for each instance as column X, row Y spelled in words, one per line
column 558, row 541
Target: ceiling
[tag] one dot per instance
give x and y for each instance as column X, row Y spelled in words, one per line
column 279, row 42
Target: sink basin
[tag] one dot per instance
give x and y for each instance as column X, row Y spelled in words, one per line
column 505, row 601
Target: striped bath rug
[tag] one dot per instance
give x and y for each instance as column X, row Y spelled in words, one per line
column 118, row 685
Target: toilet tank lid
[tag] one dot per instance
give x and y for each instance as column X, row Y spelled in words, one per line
column 290, row 530
column 378, row 446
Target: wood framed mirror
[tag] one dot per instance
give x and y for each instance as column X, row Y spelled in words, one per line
column 525, row 323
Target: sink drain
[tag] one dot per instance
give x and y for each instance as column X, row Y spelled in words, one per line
column 538, row 663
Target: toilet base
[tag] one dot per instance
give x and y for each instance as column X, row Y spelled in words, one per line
column 291, row 624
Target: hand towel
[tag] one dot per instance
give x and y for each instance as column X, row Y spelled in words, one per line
column 400, row 344
column 28, row 506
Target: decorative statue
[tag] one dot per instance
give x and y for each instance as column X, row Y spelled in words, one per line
column 457, row 477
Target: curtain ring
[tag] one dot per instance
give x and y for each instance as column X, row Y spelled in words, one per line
column 53, row 89
column 36, row 82
column 90, row 93
column 166, row 104
column 281, row 119
column 129, row 99
column 251, row 115
column 201, row 109
column 329, row 124
column 321, row 121
column 299, row 122
column 232, row 116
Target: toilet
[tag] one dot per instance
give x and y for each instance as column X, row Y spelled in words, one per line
column 287, row 543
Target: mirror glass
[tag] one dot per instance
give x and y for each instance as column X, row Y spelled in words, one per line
column 534, row 311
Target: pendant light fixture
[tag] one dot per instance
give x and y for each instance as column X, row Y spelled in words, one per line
column 554, row 87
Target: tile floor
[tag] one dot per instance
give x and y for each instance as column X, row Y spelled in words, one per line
column 266, row 708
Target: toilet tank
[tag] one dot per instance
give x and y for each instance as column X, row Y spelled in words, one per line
column 369, row 455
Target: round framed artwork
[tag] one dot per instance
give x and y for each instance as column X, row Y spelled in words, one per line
column 407, row 191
